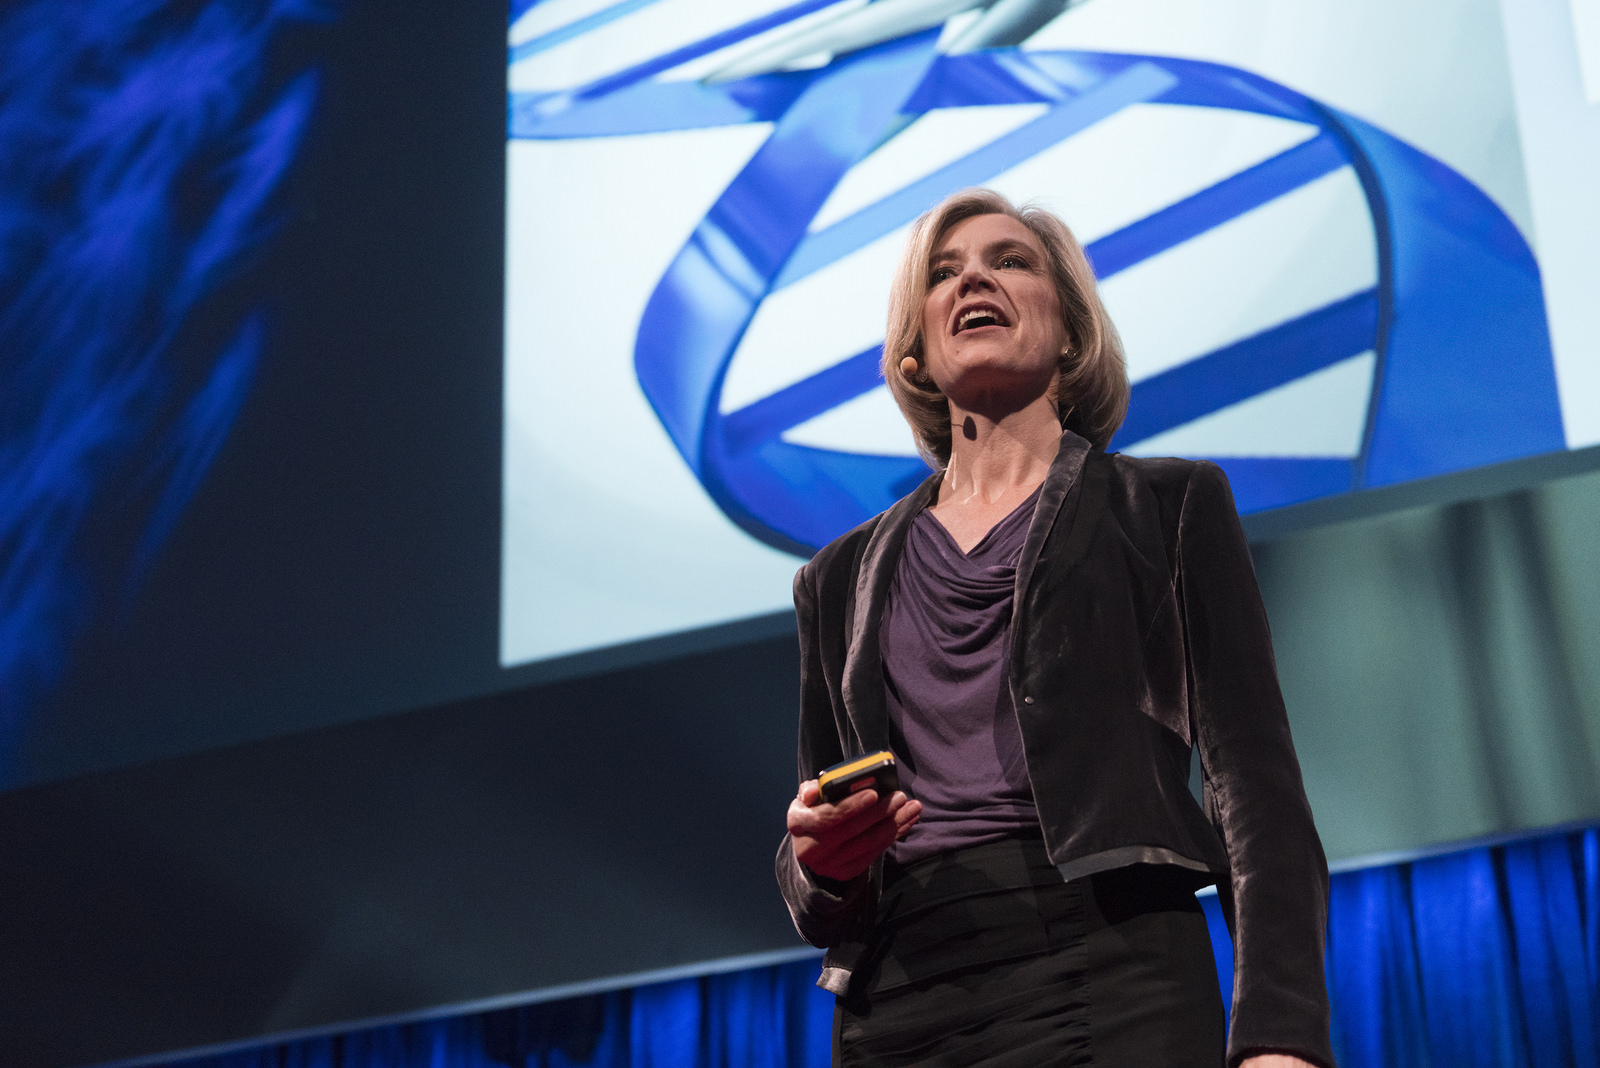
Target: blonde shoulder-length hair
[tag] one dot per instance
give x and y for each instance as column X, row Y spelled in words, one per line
column 1092, row 384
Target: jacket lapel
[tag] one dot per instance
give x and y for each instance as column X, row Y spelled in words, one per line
column 1064, row 473
column 863, row 664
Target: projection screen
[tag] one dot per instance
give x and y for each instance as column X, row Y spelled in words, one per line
column 1336, row 237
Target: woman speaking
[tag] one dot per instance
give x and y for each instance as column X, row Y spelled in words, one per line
column 1041, row 633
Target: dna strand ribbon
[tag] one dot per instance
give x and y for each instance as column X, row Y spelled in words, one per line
column 1464, row 375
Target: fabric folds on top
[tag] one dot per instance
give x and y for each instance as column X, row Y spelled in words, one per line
column 944, row 639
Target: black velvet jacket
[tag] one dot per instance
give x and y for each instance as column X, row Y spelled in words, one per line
column 1137, row 633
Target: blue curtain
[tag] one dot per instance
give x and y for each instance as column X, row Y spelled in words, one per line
column 1486, row 957
column 1482, row 958
column 772, row 1017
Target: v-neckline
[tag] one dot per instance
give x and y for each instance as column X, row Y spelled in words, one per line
column 968, row 554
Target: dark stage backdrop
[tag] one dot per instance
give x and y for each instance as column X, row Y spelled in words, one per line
column 338, row 554
column 341, row 557
column 264, row 770
column 583, row 831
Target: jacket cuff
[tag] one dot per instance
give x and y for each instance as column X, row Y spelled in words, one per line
column 822, row 909
column 1322, row 1058
column 1308, row 1042
column 839, row 888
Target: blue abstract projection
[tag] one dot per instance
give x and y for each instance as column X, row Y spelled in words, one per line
column 140, row 146
column 1440, row 354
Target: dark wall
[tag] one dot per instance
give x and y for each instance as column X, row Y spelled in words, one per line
column 341, row 558
column 571, row 832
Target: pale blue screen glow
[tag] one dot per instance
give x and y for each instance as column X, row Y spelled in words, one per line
column 1346, row 245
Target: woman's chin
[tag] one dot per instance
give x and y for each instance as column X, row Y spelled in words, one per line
column 997, row 392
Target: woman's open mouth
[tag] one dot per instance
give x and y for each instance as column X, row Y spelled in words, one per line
column 979, row 315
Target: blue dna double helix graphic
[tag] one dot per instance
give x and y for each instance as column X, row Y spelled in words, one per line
column 1463, row 374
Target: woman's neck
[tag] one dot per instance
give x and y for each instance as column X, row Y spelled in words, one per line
column 993, row 461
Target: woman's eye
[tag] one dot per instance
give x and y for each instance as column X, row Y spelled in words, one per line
column 1014, row 262
column 943, row 274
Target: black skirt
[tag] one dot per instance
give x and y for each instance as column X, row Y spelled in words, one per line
column 984, row 956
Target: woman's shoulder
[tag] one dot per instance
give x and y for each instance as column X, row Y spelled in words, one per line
column 1165, row 475
column 841, row 555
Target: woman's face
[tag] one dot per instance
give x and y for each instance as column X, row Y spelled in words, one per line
column 991, row 323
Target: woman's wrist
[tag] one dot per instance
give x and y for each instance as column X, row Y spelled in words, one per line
column 836, row 887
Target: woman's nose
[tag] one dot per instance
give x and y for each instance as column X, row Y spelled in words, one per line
column 974, row 275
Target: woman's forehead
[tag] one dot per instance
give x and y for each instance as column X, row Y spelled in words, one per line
column 979, row 232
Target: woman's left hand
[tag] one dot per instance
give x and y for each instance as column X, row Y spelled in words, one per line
column 1274, row 1060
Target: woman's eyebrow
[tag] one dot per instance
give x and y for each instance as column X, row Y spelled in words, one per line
column 1004, row 244
column 1007, row 244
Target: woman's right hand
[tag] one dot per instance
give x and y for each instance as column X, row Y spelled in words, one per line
column 841, row 841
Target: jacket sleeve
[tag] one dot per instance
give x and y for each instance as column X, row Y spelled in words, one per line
column 825, row 911
column 1253, row 790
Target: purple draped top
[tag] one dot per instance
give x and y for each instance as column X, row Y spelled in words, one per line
column 944, row 640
